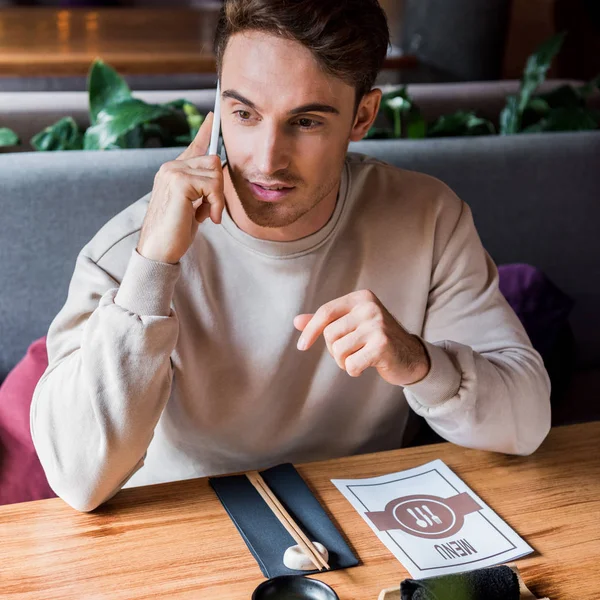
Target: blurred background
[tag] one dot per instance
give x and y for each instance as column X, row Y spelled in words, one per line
column 45, row 43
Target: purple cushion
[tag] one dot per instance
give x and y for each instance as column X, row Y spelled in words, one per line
column 542, row 308
column 21, row 475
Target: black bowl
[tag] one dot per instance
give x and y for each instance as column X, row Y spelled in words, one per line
column 293, row 587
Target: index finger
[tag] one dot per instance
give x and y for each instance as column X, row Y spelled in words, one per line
column 326, row 314
column 199, row 144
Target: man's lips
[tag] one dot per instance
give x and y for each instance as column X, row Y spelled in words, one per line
column 269, row 195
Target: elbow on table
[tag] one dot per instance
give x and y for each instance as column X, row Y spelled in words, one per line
column 77, row 489
column 79, row 494
column 532, row 430
column 81, row 487
column 85, row 492
column 528, row 445
column 84, row 503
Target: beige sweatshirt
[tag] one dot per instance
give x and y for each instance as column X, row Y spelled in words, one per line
column 160, row 372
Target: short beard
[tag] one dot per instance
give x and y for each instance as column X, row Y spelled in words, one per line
column 270, row 215
column 274, row 215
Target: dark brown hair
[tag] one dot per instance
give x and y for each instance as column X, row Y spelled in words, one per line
column 349, row 38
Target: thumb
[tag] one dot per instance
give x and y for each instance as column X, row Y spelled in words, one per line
column 301, row 321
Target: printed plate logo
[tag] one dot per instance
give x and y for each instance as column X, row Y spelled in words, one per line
column 425, row 516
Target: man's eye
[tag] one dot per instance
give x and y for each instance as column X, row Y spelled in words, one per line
column 243, row 115
column 308, row 123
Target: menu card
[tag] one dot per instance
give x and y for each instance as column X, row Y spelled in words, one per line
column 432, row 522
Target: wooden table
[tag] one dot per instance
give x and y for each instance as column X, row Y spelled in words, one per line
column 175, row 540
column 39, row 41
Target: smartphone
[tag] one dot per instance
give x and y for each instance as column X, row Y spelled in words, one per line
column 216, row 126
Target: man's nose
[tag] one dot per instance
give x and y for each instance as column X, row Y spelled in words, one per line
column 272, row 152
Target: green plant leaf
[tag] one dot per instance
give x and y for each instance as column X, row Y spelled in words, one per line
column 116, row 120
column 165, row 135
column 460, row 123
column 154, row 130
column 509, row 117
column 401, row 92
column 479, row 126
column 189, row 108
column 180, row 140
column 416, row 129
column 539, row 105
column 135, row 138
column 590, row 87
column 397, row 103
column 402, row 115
column 105, row 87
column 8, row 137
column 63, row 135
column 537, row 109
column 566, row 119
column 534, row 74
column 537, row 66
column 565, row 96
column 179, row 103
column 193, row 117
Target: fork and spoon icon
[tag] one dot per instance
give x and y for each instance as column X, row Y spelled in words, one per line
column 424, row 520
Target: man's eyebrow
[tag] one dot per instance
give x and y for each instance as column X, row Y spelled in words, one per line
column 312, row 107
column 315, row 107
column 237, row 96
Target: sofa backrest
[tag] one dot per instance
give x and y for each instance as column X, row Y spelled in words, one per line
column 51, row 205
column 535, row 199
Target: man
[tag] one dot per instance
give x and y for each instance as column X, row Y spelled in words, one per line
column 176, row 353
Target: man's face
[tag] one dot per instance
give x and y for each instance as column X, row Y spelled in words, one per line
column 284, row 123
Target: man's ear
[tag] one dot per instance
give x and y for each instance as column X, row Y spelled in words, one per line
column 365, row 115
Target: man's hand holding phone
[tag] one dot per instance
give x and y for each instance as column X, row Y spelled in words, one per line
column 186, row 191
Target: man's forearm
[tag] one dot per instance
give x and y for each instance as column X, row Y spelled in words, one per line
column 501, row 400
column 95, row 409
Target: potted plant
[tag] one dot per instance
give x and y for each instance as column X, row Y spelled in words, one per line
column 118, row 120
column 562, row 109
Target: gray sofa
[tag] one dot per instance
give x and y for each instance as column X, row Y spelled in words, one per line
column 535, row 199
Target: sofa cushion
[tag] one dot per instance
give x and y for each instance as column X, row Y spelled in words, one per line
column 22, row 477
column 542, row 308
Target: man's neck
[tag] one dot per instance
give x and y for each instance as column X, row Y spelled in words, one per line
column 306, row 225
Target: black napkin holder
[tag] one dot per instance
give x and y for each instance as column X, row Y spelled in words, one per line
column 264, row 535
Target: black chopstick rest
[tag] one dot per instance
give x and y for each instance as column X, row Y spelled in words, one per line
column 495, row 583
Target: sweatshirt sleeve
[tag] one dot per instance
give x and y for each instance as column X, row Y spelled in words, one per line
column 108, row 379
column 487, row 387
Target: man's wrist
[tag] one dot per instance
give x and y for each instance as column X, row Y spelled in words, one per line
column 422, row 366
column 147, row 286
column 442, row 382
column 155, row 256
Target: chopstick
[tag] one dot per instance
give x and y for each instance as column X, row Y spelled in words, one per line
column 286, row 520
